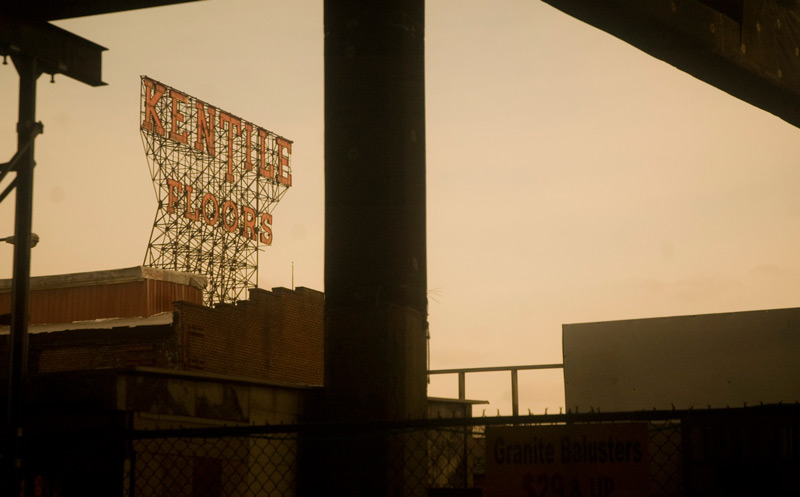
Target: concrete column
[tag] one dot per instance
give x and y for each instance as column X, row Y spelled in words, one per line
column 375, row 260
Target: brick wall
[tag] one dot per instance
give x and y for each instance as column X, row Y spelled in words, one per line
column 275, row 335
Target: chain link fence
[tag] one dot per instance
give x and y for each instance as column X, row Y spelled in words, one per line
column 430, row 457
column 213, row 466
column 748, row 451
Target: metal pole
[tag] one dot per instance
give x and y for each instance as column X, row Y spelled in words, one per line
column 514, row 393
column 20, row 287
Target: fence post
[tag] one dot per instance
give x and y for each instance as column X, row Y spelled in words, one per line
column 514, row 393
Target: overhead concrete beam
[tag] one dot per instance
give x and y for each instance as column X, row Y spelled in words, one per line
column 51, row 10
column 748, row 48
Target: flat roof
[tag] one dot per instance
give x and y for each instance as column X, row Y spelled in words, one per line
column 160, row 319
column 111, row 276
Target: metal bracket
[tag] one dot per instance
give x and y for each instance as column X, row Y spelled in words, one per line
column 6, row 167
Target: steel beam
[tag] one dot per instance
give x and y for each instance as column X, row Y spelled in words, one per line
column 56, row 51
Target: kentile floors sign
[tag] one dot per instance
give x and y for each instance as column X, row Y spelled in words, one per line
column 589, row 460
column 217, row 178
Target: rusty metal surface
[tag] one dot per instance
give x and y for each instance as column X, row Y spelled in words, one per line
column 143, row 297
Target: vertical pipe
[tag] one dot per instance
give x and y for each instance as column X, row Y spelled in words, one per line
column 462, row 385
column 20, row 287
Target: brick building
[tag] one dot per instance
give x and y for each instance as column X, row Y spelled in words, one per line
column 275, row 335
column 135, row 349
column 155, row 318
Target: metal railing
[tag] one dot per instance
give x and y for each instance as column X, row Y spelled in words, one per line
column 462, row 379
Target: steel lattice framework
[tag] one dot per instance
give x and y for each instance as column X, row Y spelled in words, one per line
column 217, row 179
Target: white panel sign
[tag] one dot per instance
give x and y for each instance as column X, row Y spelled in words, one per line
column 683, row 362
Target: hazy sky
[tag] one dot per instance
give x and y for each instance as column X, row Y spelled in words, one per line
column 571, row 178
